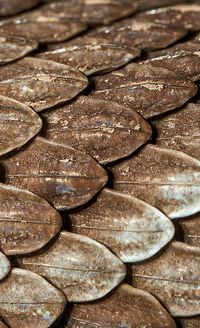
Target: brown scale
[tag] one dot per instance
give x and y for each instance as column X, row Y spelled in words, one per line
column 145, row 58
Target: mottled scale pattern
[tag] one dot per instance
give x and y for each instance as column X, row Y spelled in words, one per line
column 99, row 164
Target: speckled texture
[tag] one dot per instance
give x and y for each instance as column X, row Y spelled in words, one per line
column 12, row 48
column 18, row 124
column 82, row 268
column 173, row 277
column 103, row 129
column 165, row 178
column 181, row 130
column 147, row 89
column 63, row 175
column 91, row 12
column 99, row 69
column 90, row 56
column 184, row 15
column 128, row 307
column 184, row 59
column 27, row 222
column 28, row 300
column 138, row 32
column 186, row 47
column 40, row 27
column 40, row 83
column 132, row 229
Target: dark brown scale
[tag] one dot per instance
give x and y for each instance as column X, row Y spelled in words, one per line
column 63, row 175
column 12, row 48
column 90, row 56
column 40, row 83
column 147, row 89
column 184, row 62
column 103, row 129
column 126, row 307
column 182, row 16
column 180, row 130
column 23, row 226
